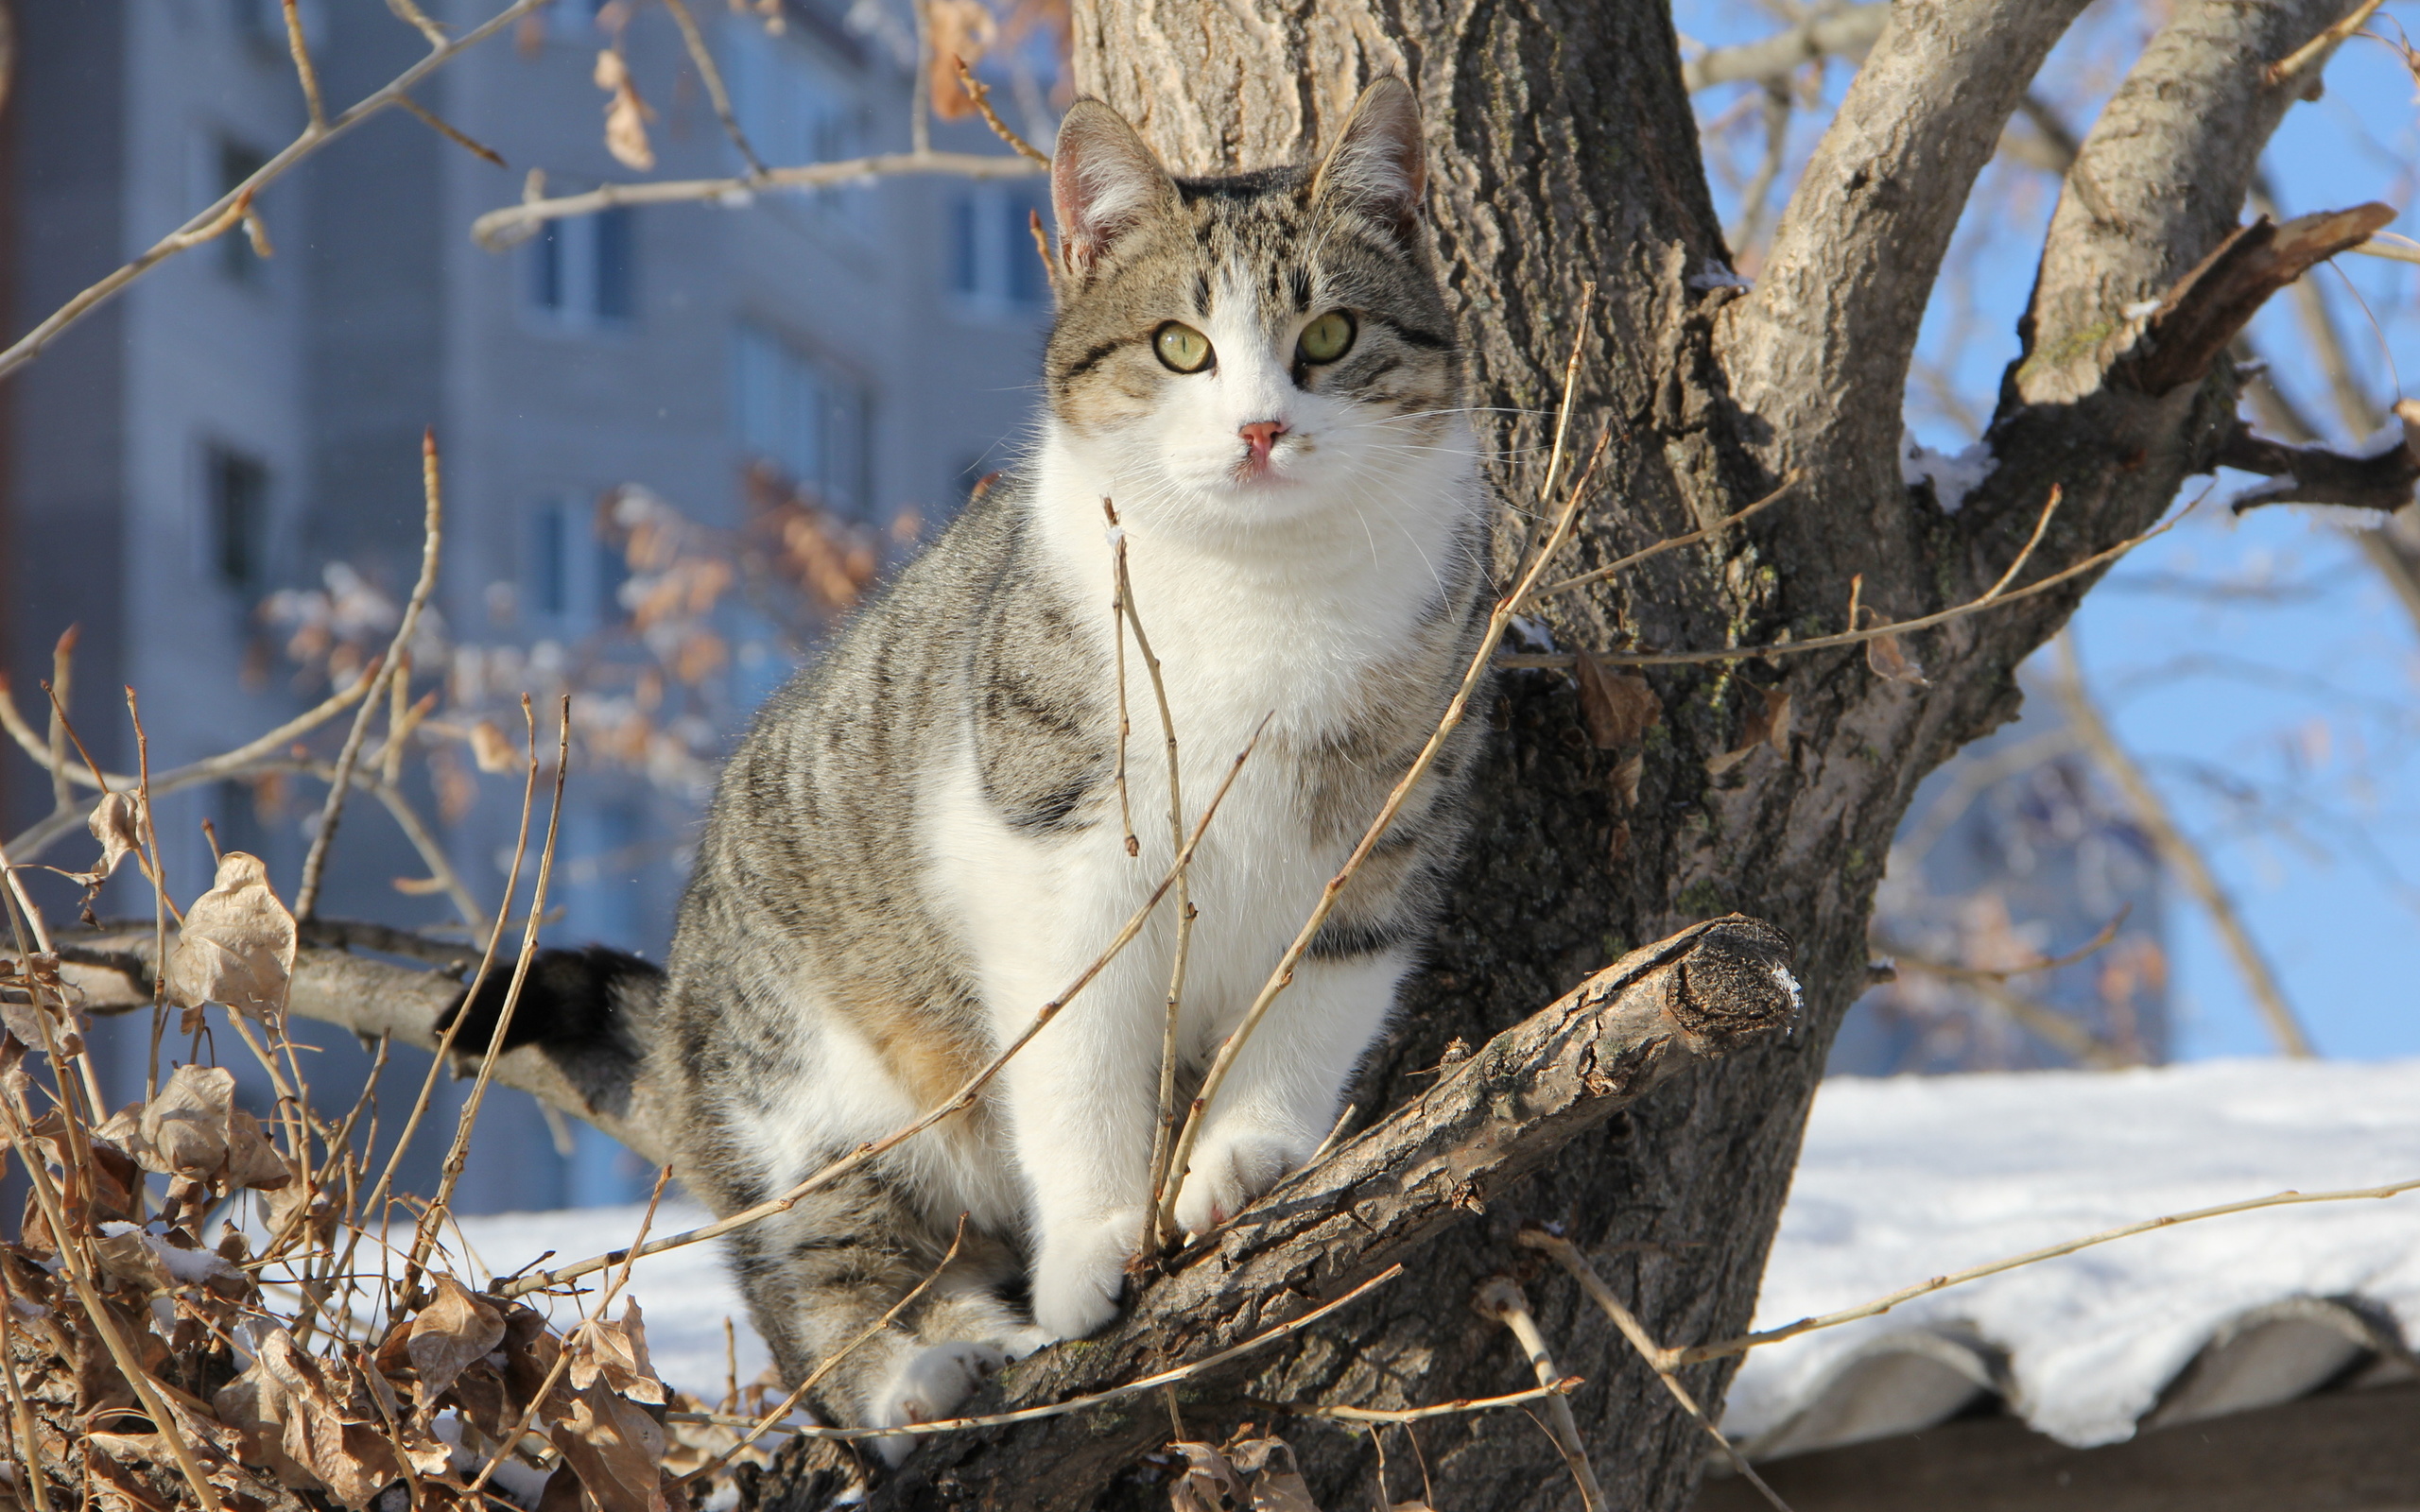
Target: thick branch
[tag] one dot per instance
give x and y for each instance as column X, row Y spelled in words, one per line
column 1491, row 1120
column 2210, row 305
column 1821, row 349
column 2313, row 474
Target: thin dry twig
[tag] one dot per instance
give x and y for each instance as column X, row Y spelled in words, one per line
column 302, row 69
column 980, row 94
column 1164, row 1127
column 1564, row 1388
column 451, row 132
column 1880, row 1305
column 2151, row 811
column 1789, row 480
column 702, row 57
column 306, row 896
column 1658, row 1358
column 1502, row 1299
column 1074, row 1405
column 63, row 683
column 29, row 1441
column 1826, row 643
column 958, row 1101
column 456, row 1157
column 232, row 207
column 507, row 224
column 2309, row 52
column 1498, row 620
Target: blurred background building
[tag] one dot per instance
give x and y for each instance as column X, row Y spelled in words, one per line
column 216, row 478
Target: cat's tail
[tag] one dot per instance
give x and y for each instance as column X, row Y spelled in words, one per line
column 592, row 1011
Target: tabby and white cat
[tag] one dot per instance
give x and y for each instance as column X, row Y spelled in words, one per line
column 918, row 844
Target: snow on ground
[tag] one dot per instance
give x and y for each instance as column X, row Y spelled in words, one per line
column 1907, row 1178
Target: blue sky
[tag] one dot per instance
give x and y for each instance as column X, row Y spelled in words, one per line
column 2258, row 667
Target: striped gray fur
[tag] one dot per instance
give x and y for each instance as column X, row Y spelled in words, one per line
column 949, row 761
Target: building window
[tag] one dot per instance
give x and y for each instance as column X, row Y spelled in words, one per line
column 804, row 416
column 235, row 499
column 236, row 163
column 571, row 578
column 994, row 268
column 584, row 271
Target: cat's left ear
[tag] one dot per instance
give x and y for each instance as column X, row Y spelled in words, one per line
column 1379, row 166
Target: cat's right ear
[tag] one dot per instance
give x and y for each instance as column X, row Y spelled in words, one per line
column 1104, row 182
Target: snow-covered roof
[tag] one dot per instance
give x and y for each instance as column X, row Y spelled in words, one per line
column 1911, row 1177
column 1907, row 1178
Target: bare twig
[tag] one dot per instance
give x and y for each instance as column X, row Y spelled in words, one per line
column 502, row 226
column 1825, row 643
column 1623, row 564
column 702, row 57
column 302, row 69
column 63, row 683
column 980, row 94
column 456, row 1157
column 1844, row 31
column 1282, row 975
column 451, row 132
column 307, row 895
column 227, row 764
column 29, row 1441
column 1906, row 1294
column 2312, row 51
column 1164, row 1127
column 231, row 208
column 1502, row 1299
column 1659, row 1358
column 2180, row 853
column 1564, row 1388
column 956, row 1102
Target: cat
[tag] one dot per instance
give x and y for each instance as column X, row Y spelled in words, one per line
column 919, row 842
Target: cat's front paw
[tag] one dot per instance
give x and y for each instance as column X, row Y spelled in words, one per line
column 929, row 1385
column 1232, row 1168
column 1079, row 1273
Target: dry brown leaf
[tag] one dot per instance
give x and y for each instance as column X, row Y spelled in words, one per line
column 305, row 1429
column 614, row 1448
column 126, row 1254
column 1619, row 707
column 1277, row 1486
column 1209, row 1484
column 616, row 1352
column 959, row 29
column 1624, row 777
column 116, row 822
column 453, row 1332
column 490, row 750
column 1768, row 725
column 626, row 115
column 1887, row 656
column 237, row 943
column 194, row 1129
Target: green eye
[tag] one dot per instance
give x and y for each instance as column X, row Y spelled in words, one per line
column 1180, row 348
column 1328, row 337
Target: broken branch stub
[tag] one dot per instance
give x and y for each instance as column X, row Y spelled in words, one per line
column 2209, row 306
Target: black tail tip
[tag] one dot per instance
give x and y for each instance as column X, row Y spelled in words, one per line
column 568, row 998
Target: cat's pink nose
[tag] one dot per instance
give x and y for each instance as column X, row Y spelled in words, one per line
column 1260, row 436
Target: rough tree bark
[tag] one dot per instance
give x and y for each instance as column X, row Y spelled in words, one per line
column 1564, row 150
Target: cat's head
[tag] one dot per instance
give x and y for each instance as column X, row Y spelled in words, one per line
column 1245, row 348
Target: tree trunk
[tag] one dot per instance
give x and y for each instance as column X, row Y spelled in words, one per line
column 1563, row 152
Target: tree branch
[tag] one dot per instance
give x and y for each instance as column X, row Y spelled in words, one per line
column 1491, row 1118
column 2314, row 474
column 2209, row 306
column 1848, row 32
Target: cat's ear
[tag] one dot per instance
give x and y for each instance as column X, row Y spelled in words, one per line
column 1103, row 183
column 1379, row 166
